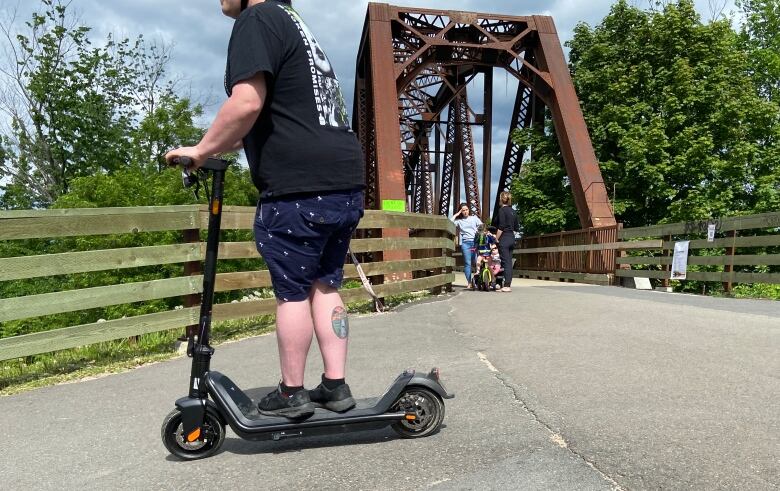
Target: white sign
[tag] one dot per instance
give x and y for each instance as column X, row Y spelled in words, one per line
column 711, row 232
column 680, row 260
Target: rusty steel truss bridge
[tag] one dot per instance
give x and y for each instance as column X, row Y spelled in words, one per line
column 416, row 64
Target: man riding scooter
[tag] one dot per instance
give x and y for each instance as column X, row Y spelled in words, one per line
column 285, row 109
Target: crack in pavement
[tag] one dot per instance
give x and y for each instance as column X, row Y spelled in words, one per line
column 555, row 437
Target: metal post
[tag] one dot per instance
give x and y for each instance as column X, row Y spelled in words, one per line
column 487, row 145
column 457, row 158
column 466, row 140
column 390, row 174
column 590, row 194
column 437, row 160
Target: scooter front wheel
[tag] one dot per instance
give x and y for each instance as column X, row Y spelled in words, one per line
column 427, row 408
column 208, row 442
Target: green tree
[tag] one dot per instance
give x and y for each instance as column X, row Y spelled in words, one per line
column 90, row 126
column 543, row 194
column 760, row 38
column 78, row 109
column 673, row 113
column 138, row 186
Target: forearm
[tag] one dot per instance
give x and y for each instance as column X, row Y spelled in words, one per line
column 498, row 234
column 233, row 122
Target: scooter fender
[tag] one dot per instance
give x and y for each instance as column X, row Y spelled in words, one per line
column 431, row 381
column 193, row 412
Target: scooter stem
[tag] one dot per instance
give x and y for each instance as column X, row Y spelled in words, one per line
column 201, row 351
column 212, row 248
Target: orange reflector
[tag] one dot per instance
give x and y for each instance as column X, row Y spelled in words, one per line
column 411, row 417
column 194, row 435
column 215, row 207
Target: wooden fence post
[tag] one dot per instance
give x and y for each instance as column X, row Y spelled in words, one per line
column 618, row 253
column 437, row 290
column 192, row 268
column 561, row 254
column 729, row 268
column 665, row 283
column 589, row 261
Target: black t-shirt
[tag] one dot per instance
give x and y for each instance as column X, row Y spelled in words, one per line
column 506, row 221
column 301, row 142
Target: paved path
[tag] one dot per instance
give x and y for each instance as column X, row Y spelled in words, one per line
column 558, row 386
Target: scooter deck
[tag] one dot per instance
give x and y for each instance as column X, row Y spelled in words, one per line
column 245, row 419
column 250, row 411
column 246, row 401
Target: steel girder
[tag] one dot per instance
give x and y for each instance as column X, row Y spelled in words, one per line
column 448, row 170
column 465, row 144
column 414, row 62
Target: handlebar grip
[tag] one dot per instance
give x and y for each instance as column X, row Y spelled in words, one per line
column 211, row 163
column 182, row 161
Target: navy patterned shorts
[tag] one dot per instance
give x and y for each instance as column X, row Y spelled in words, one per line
column 305, row 238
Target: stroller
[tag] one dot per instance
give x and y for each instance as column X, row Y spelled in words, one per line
column 486, row 280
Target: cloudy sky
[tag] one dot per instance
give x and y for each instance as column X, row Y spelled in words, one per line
column 200, row 34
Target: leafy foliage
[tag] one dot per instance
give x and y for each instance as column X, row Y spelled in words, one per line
column 683, row 124
column 78, row 109
column 92, row 132
column 544, row 197
column 760, row 38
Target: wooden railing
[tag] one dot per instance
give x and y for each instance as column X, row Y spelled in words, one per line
column 731, row 254
column 590, row 251
column 433, row 270
column 553, row 256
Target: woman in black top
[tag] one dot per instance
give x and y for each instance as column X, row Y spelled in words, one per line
column 506, row 223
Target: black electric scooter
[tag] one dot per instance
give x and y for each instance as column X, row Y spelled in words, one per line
column 412, row 405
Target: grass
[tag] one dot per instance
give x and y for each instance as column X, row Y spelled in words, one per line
column 759, row 291
column 96, row 360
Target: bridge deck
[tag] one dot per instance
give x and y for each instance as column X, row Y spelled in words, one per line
column 558, row 386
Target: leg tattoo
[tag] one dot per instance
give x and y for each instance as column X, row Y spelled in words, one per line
column 340, row 323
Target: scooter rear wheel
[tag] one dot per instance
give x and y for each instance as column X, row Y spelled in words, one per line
column 211, row 438
column 427, row 407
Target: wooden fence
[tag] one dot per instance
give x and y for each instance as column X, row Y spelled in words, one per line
column 742, row 246
column 588, row 251
column 434, row 270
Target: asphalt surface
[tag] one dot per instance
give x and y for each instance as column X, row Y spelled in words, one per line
column 558, row 386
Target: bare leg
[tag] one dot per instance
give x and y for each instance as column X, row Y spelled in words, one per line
column 331, row 327
column 294, row 330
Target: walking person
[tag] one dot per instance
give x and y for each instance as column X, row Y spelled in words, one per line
column 507, row 225
column 286, row 110
column 467, row 225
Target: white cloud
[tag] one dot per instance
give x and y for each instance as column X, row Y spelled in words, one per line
column 200, row 34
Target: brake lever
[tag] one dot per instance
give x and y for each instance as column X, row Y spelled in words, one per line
column 190, row 180
column 194, row 178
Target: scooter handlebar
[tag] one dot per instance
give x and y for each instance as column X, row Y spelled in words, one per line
column 211, row 163
column 182, row 161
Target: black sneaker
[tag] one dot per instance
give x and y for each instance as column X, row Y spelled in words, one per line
column 338, row 400
column 295, row 406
